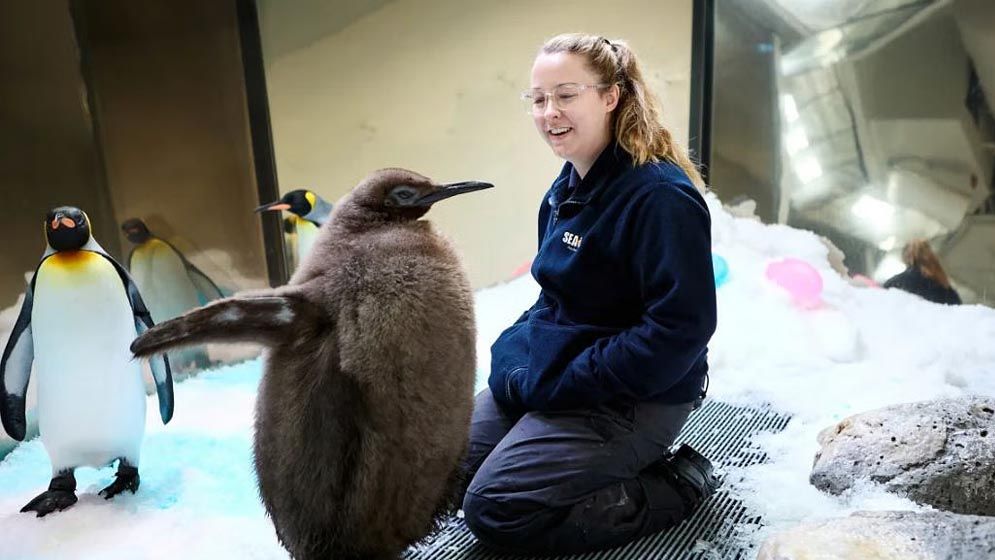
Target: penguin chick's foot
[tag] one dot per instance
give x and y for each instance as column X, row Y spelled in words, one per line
column 127, row 479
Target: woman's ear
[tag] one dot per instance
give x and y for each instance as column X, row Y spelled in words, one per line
column 611, row 98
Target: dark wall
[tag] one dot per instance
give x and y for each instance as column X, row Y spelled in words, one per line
column 167, row 78
column 48, row 155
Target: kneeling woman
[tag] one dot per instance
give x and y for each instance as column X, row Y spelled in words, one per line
column 569, row 448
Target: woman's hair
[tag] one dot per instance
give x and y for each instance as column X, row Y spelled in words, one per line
column 636, row 119
column 918, row 254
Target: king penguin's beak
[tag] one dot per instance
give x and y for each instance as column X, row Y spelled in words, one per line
column 273, row 206
column 63, row 221
column 452, row 189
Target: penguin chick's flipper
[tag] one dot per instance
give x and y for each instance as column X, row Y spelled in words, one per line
column 61, row 494
column 127, row 479
column 15, row 370
column 262, row 319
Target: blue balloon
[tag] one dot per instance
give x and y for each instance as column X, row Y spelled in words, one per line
column 721, row 269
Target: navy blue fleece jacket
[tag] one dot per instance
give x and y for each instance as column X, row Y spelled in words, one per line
column 628, row 297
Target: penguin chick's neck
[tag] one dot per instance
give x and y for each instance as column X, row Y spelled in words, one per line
column 354, row 215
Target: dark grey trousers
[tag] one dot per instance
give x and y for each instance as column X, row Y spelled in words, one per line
column 570, row 482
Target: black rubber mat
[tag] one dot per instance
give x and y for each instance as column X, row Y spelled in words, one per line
column 719, row 431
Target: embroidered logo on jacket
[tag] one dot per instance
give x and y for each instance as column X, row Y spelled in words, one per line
column 572, row 241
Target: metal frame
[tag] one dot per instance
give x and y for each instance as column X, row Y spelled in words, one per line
column 77, row 16
column 702, row 56
column 264, row 160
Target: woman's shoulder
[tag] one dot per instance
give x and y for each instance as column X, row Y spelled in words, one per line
column 663, row 182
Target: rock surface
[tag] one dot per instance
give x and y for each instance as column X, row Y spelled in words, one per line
column 890, row 535
column 940, row 453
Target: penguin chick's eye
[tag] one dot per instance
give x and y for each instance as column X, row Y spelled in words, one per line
column 402, row 196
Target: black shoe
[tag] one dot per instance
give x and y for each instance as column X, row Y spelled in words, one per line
column 689, row 473
column 694, row 469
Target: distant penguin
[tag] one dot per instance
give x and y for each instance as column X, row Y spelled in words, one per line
column 80, row 314
column 169, row 283
column 308, row 213
column 363, row 412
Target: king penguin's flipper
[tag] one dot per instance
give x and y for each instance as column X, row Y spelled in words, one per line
column 160, row 371
column 207, row 290
column 143, row 321
column 15, row 370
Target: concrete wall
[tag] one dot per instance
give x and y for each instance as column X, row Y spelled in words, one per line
column 433, row 85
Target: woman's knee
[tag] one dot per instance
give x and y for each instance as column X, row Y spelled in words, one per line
column 501, row 524
column 484, row 516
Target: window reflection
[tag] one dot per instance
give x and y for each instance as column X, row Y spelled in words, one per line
column 138, row 117
column 874, row 124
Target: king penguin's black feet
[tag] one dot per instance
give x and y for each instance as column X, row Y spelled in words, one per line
column 127, row 479
column 61, row 494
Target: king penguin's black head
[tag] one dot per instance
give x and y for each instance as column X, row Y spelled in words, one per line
column 136, row 231
column 300, row 202
column 406, row 195
column 67, row 228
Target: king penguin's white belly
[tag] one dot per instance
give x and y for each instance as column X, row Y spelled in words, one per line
column 307, row 232
column 91, row 398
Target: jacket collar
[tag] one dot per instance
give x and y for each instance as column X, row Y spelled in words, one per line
column 612, row 159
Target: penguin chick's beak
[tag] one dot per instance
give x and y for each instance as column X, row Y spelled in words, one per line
column 452, row 189
column 273, row 207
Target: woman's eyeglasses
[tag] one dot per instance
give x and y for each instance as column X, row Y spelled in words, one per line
column 561, row 96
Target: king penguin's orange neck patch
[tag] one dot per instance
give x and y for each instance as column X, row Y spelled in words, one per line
column 71, row 258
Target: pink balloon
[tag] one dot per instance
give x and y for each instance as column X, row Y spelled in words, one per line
column 521, row 269
column 800, row 280
column 869, row 282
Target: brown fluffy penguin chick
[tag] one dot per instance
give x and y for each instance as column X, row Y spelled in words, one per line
column 363, row 411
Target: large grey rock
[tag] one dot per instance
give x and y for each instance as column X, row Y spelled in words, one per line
column 940, row 453
column 889, row 535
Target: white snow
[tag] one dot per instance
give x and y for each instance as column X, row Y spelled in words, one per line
column 864, row 348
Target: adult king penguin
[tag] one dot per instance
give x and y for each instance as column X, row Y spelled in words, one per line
column 169, row 283
column 308, row 212
column 80, row 313
column 364, row 409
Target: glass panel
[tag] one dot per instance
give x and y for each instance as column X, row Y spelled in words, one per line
column 872, row 126
column 130, row 111
column 434, row 86
column 173, row 130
